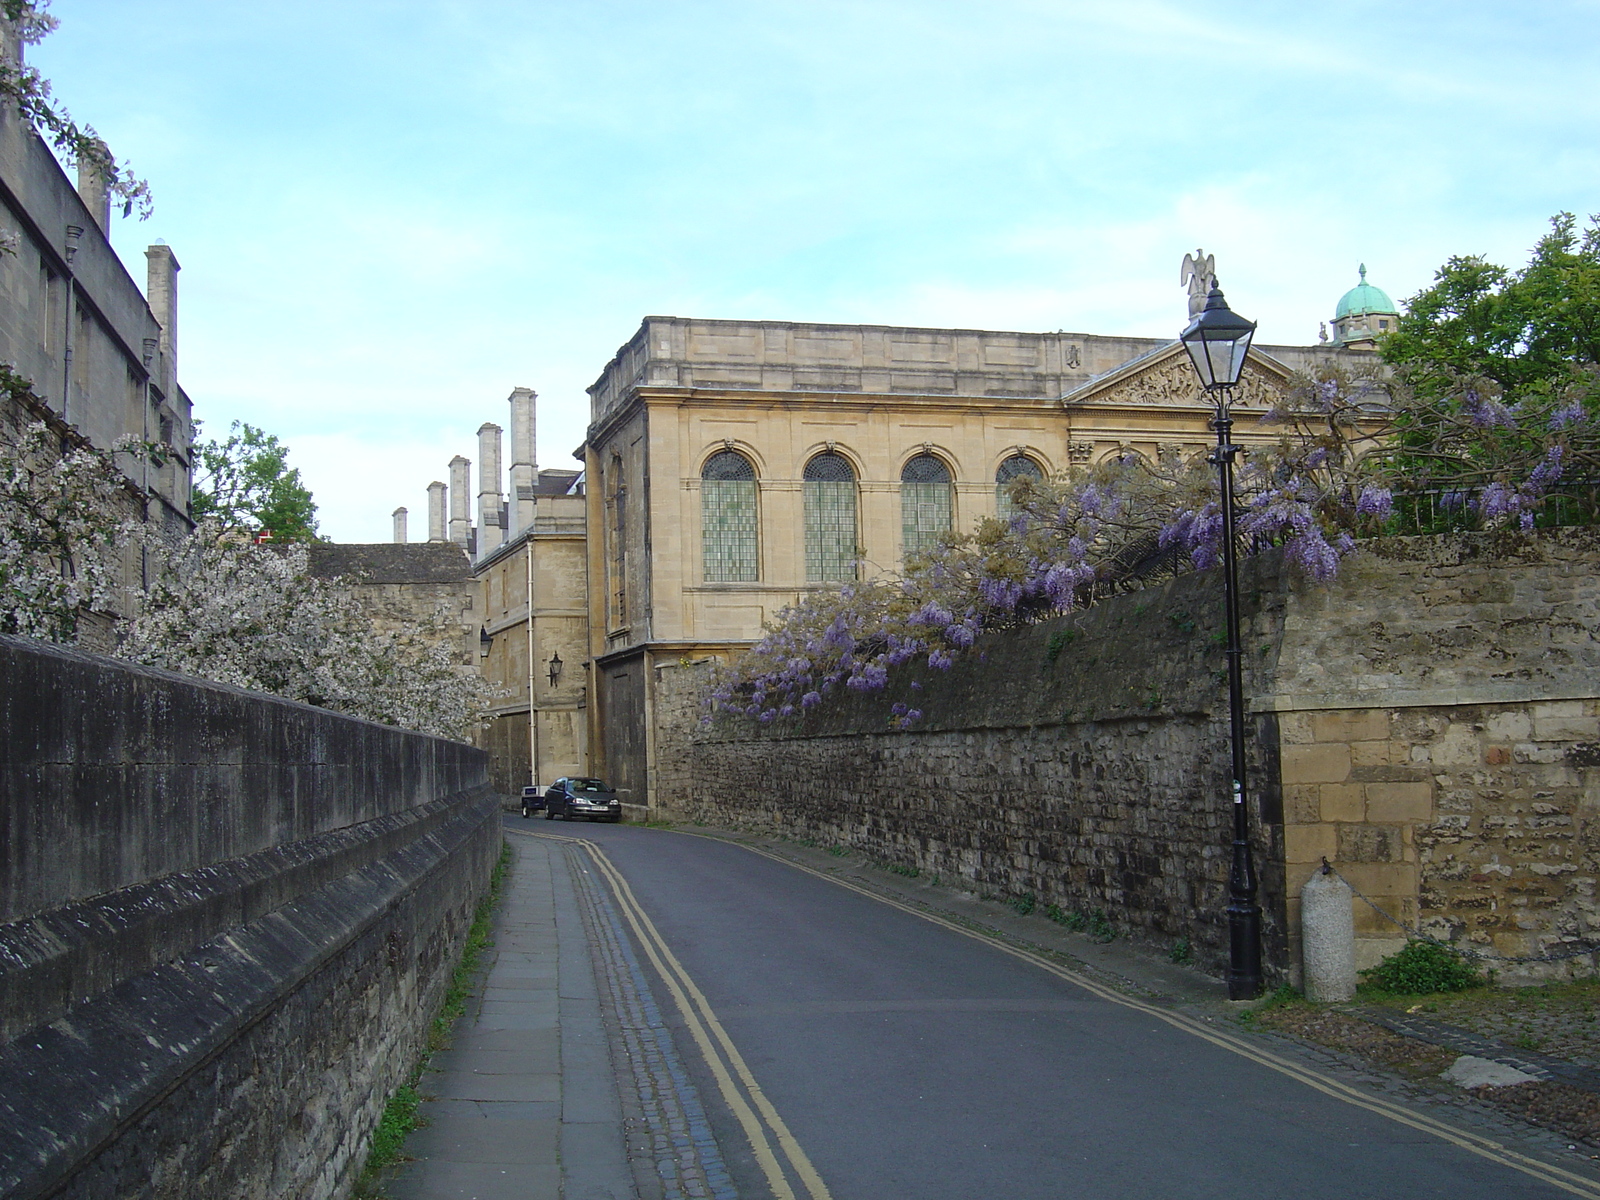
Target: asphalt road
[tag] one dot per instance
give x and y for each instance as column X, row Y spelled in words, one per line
column 910, row 1061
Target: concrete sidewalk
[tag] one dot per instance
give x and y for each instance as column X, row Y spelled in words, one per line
column 525, row 1104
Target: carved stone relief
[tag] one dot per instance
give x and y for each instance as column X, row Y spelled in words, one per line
column 1174, row 382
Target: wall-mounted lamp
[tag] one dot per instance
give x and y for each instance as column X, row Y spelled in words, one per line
column 484, row 640
column 555, row 668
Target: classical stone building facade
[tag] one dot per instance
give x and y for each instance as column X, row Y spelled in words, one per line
column 731, row 466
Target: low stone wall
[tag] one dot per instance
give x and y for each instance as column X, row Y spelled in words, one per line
column 1429, row 723
column 225, row 922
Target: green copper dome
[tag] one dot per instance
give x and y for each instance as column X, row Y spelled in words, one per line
column 1363, row 299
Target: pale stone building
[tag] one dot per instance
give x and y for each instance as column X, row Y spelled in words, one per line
column 529, row 540
column 732, row 466
column 99, row 354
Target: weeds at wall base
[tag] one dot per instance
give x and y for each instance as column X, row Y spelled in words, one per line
column 1094, row 922
column 400, row 1113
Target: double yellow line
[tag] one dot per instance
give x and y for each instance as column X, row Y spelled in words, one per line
column 769, row 1136
column 765, row 1130
column 1484, row 1147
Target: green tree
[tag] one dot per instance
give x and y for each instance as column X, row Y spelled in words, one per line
column 245, row 482
column 1521, row 328
column 1497, row 413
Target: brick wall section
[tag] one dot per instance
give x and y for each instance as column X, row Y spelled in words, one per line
column 226, row 921
column 1429, row 723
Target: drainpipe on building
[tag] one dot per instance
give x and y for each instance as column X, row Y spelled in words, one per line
column 74, row 232
column 147, row 357
column 533, row 667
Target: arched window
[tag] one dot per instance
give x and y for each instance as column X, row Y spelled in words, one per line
column 830, row 501
column 1015, row 467
column 926, row 505
column 728, row 518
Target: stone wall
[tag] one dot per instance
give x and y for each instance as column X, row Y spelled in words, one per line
column 1429, row 723
column 225, row 922
column 1083, row 762
column 1439, row 723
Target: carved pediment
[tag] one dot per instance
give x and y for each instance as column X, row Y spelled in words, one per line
column 1170, row 381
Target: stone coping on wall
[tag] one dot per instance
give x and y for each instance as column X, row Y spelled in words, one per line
column 1449, row 697
column 70, row 1088
column 51, row 960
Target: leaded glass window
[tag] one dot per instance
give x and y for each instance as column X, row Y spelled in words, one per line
column 830, row 504
column 926, row 504
column 728, row 518
column 1015, row 467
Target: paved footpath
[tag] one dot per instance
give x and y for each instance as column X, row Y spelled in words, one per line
column 524, row 1104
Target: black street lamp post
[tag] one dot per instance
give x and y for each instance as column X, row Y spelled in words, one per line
column 1217, row 341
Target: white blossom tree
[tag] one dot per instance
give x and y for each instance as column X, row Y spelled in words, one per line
column 215, row 606
column 224, row 608
column 62, row 532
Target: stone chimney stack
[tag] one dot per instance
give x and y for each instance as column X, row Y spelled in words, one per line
column 524, row 467
column 461, row 500
column 161, row 290
column 400, row 526
column 491, row 520
column 94, row 189
column 10, row 43
column 436, row 518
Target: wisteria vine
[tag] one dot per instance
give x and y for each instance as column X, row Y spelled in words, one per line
column 1350, row 451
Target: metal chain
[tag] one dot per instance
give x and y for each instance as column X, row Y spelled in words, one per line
column 1464, row 951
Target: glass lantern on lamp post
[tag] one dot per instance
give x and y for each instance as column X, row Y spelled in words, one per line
column 1218, row 339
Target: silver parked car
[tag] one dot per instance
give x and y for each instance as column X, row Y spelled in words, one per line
column 582, row 796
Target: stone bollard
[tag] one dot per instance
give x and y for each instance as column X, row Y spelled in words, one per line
column 1327, row 938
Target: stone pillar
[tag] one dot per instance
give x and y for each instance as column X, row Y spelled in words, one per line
column 491, row 521
column 524, row 465
column 94, row 189
column 436, row 517
column 461, row 500
column 161, row 291
column 400, row 526
column 1327, row 938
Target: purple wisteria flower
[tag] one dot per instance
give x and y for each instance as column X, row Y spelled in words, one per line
column 1568, row 416
column 1375, row 501
column 1546, row 473
column 1485, row 412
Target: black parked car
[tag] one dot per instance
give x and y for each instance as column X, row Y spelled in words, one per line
column 532, row 801
column 579, row 796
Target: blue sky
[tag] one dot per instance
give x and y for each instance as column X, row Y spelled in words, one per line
column 391, row 213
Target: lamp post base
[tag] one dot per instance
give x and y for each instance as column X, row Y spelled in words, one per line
column 1244, row 950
